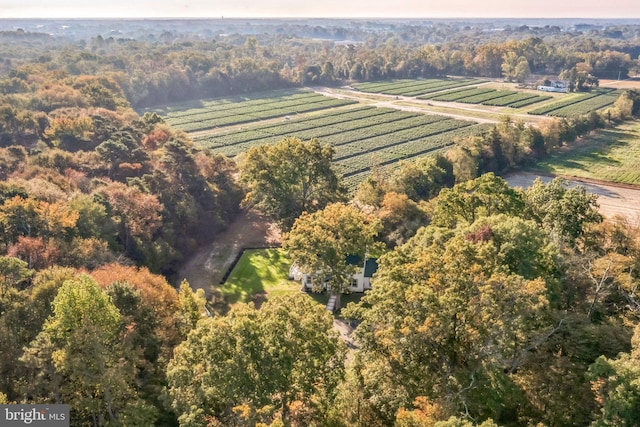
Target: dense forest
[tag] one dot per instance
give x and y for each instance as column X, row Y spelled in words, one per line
column 491, row 305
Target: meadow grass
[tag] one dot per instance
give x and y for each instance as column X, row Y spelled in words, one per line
column 609, row 155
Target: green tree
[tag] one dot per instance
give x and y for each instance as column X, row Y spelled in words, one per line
column 483, row 196
column 319, row 243
column 562, row 211
column 191, row 307
column 616, row 383
column 80, row 352
column 268, row 361
column 13, row 273
column 450, row 318
column 289, row 178
column 423, row 179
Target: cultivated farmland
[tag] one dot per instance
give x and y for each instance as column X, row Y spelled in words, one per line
column 488, row 96
column 578, row 104
column 363, row 136
column 227, row 112
column 413, row 87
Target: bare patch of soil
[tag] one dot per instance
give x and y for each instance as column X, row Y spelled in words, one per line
column 206, row 268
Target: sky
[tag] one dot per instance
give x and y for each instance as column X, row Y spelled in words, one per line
column 319, row 9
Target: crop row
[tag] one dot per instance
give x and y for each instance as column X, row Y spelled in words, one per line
column 414, row 87
column 397, row 84
column 318, row 126
column 363, row 128
column 178, row 107
column 243, row 108
column 369, row 145
column 586, row 106
column 286, row 126
column 480, row 98
column 422, row 89
column 510, row 99
column 569, row 101
column 262, row 115
column 452, row 85
column 529, row 101
column 339, row 136
column 457, row 94
column 224, row 105
column 395, row 153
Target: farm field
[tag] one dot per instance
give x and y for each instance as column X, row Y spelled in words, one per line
column 493, row 94
column 488, row 96
column 612, row 155
column 412, row 87
column 363, row 137
column 579, row 103
column 212, row 114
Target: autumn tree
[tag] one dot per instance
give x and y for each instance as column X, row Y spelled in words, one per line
column 320, row 242
column 446, row 320
column 257, row 365
column 289, row 178
column 80, row 350
column 136, row 215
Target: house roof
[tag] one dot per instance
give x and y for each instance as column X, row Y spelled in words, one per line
column 370, row 267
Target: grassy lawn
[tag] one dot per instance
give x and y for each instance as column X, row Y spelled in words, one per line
column 259, row 272
column 610, row 155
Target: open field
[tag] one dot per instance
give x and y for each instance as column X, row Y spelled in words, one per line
column 362, row 137
column 610, row 155
column 487, row 96
column 263, row 273
column 210, row 114
column 632, row 83
column 363, row 133
column 368, row 132
column 576, row 104
column 412, row 87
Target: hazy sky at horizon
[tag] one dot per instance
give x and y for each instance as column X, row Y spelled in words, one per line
column 319, row 9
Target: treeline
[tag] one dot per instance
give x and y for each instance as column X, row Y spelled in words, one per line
column 177, row 67
column 85, row 180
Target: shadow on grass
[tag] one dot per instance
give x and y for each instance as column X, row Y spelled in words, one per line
column 596, row 149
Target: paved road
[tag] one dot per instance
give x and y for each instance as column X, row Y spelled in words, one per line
column 613, row 199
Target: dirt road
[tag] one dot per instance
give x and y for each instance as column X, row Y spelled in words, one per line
column 622, row 200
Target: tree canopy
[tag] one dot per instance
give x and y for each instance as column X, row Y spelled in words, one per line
column 289, row 178
column 281, row 361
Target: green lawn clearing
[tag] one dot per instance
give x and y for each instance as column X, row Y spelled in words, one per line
column 609, row 155
column 259, row 273
column 262, row 273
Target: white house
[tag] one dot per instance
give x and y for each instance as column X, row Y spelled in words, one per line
column 556, row 86
column 360, row 281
